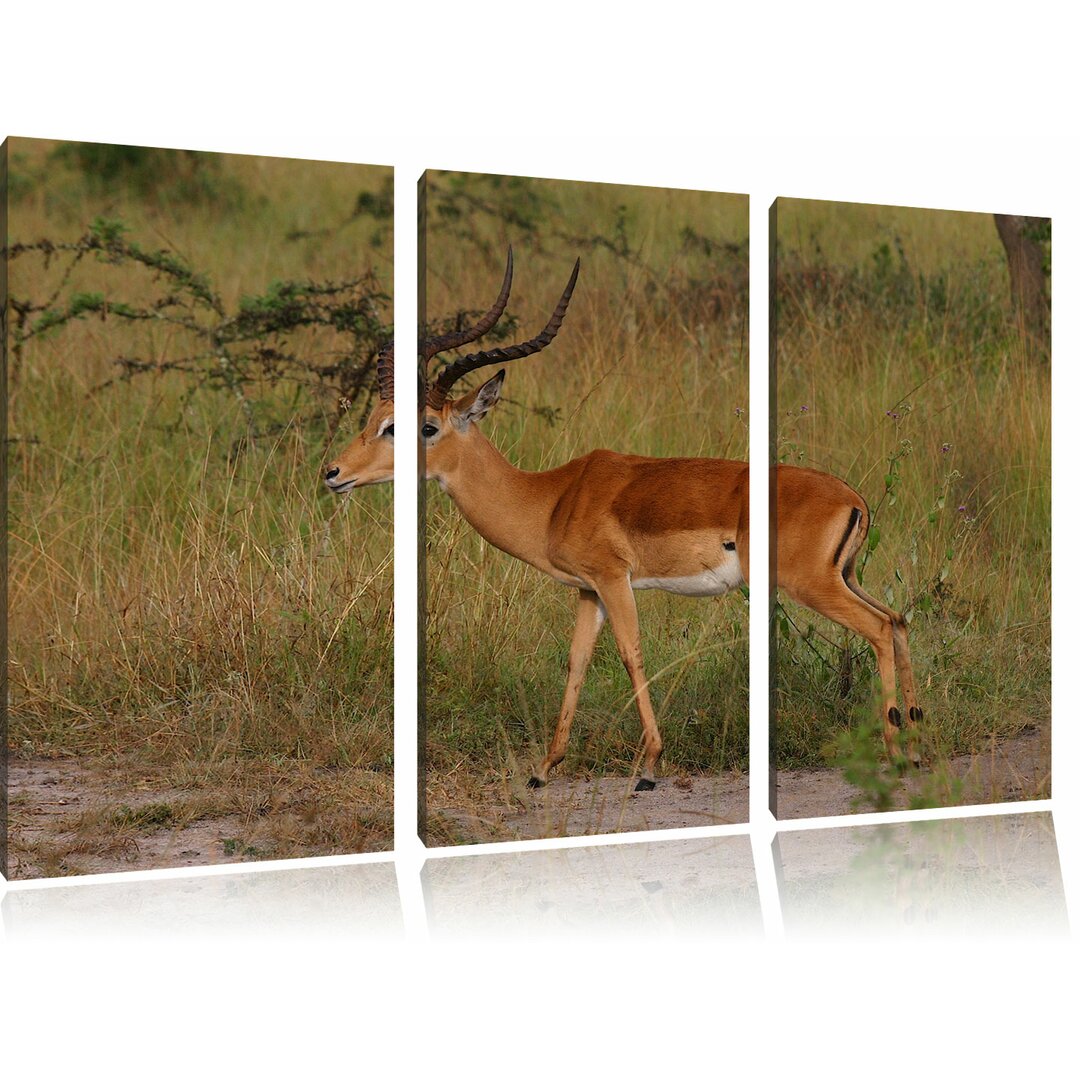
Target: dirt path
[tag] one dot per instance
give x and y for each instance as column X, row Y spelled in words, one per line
column 62, row 817
column 1014, row 769
column 67, row 818
column 595, row 807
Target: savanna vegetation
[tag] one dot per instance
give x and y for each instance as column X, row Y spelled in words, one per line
column 651, row 359
column 188, row 609
column 901, row 368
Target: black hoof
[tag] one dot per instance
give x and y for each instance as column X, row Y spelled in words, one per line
column 534, row 783
column 644, row 784
column 907, row 763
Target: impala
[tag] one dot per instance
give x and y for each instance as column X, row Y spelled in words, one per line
column 611, row 523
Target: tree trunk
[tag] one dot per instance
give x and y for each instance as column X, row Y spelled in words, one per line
column 1025, row 257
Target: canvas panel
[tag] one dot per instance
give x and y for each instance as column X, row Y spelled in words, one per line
column 199, row 653
column 649, row 360
column 911, row 366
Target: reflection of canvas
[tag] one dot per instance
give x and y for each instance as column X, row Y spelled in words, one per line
column 550, row 464
column 199, row 642
column 911, row 361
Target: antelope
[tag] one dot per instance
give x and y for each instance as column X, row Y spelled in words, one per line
column 609, row 524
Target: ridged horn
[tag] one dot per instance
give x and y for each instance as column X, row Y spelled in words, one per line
column 437, row 393
column 432, row 346
column 384, row 372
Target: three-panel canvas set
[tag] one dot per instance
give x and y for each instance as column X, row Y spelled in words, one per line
column 201, row 355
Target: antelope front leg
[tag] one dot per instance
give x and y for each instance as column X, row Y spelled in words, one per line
column 590, row 620
column 618, row 597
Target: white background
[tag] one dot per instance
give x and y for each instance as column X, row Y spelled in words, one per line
column 928, row 104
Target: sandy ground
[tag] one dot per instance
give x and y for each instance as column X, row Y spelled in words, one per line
column 52, row 805
column 67, row 818
column 598, row 806
column 1016, row 769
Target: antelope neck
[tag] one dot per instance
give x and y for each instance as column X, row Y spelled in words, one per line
column 510, row 508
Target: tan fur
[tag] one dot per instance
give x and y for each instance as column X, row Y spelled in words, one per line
column 368, row 458
column 609, row 521
column 814, row 553
column 597, row 523
column 602, row 521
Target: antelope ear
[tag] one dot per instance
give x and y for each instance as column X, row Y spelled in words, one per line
column 475, row 405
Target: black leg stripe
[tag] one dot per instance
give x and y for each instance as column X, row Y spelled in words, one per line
column 853, row 523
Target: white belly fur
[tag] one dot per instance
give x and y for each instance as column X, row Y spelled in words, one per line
column 716, row 581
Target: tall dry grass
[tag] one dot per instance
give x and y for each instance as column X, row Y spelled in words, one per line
column 183, row 598
column 899, row 369
column 651, row 359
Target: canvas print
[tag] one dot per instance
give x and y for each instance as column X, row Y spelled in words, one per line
column 198, row 649
column 583, row 355
column 910, row 508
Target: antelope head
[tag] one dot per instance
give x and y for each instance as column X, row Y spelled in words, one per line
column 446, row 423
column 369, row 457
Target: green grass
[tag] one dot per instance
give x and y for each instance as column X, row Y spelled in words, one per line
column 651, row 359
column 899, row 370
column 180, row 596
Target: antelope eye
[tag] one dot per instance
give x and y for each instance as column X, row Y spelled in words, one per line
column 388, row 432
column 429, row 430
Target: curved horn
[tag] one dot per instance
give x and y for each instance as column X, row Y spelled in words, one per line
column 450, row 374
column 432, row 346
column 384, row 372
